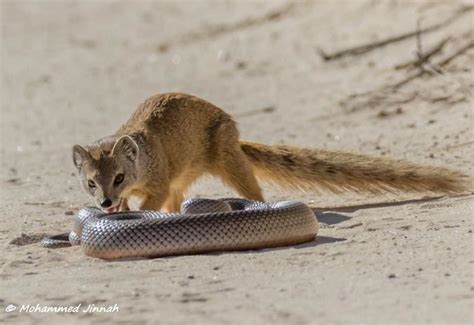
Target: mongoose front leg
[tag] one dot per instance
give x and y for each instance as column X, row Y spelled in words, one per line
column 152, row 203
column 124, row 205
column 173, row 203
column 155, row 195
column 179, row 187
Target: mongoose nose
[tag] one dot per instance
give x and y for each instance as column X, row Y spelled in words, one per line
column 106, row 203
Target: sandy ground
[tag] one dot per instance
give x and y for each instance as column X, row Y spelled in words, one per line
column 74, row 71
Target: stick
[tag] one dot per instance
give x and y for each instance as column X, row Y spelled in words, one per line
column 463, row 49
column 459, row 145
column 419, row 46
column 419, row 61
column 361, row 49
column 441, row 64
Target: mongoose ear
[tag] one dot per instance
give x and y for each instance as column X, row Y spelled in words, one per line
column 80, row 155
column 126, row 146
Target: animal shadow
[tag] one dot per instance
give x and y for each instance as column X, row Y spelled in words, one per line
column 330, row 218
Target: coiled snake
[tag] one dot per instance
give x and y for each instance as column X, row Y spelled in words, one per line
column 204, row 225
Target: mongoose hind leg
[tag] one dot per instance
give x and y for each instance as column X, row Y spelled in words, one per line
column 235, row 170
column 230, row 162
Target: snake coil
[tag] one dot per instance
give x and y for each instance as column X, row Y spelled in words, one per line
column 204, row 225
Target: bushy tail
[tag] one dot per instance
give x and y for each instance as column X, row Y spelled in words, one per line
column 306, row 169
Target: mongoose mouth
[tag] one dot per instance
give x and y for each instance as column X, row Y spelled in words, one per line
column 113, row 209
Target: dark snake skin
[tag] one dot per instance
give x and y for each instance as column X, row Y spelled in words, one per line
column 203, row 226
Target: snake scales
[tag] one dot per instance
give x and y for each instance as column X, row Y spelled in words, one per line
column 204, row 225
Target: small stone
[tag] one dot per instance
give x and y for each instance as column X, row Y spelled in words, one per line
column 392, row 276
column 268, row 109
column 163, row 48
column 241, row 65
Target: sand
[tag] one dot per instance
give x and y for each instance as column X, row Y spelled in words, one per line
column 74, row 71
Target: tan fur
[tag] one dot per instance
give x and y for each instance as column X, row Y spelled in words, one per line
column 172, row 139
column 316, row 169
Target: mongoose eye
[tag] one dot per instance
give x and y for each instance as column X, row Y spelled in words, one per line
column 118, row 179
column 91, row 183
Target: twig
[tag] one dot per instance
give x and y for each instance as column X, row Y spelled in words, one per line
column 218, row 30
column 358, row 50
column 441, row 64
column 460, row 51
column 361, row 49
column 419, row 45
column 459, row 145
column 374, row 97
column 419, row 61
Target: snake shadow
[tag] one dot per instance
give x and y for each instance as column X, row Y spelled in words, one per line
column 330, row 218
column 319, row 240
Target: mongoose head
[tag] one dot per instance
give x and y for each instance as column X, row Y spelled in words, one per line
column 107, row 170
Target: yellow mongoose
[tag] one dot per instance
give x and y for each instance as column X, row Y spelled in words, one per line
column 174, row 138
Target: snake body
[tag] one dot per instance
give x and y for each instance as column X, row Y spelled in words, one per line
column 204, row 225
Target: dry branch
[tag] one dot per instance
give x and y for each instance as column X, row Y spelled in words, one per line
column 361, row 49
column 375, row 97
column 425, row 57
column 460, row 145
column 441, row 63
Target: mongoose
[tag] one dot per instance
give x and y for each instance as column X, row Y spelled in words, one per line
column 174, row 138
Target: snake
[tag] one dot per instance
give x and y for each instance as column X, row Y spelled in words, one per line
column 202, row 226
